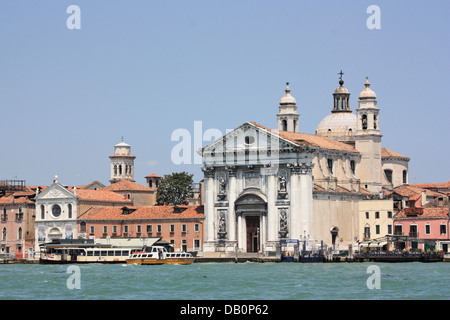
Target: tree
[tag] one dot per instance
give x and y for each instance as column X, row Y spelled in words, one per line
column 174, row 189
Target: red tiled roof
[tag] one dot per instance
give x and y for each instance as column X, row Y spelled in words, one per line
column 14, row 199
column 386, row 153
column 437, row 185
column 99, row 195
column 154, row 212
column 125, row 185
column 439, row 212
column 304, row 139
column 152, row 176
column 411, row 191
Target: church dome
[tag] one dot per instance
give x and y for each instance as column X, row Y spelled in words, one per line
column 367, row 93
column 340, row 126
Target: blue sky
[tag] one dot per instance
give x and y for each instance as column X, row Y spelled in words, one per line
column 142, row 69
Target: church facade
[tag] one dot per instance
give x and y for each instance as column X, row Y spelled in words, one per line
column 263, row 186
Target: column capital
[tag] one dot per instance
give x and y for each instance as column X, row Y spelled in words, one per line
column 208, row 171
column 232, row 170
column 300, row 168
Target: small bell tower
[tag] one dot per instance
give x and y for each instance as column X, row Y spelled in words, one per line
column 122, row 163
column 287, row 118
column 368, row 140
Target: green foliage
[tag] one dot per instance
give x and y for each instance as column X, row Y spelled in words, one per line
column 175, row 189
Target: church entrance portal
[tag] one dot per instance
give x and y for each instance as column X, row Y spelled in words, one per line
column 253, row 232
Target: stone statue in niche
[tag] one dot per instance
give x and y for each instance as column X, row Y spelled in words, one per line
column 222, row 189
column 282, row 193
column 283, row 224
column 222, row 225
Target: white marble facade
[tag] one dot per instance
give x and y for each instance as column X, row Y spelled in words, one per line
column 258, row 189
column 56, row 214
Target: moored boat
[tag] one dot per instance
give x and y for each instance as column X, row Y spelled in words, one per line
column 154, row 255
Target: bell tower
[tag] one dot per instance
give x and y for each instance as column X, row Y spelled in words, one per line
column 287, row 118
column 122, row 163
column 368, row 140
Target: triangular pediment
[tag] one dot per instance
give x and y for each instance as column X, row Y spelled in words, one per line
column 248, row 137
column 55, row 191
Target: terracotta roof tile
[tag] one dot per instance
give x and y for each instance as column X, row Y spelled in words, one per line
column 440, row 212
column 125, row 185
column 304, row 139
column 386, row 153
column 152, row 176
column 99, row 195
column 142, row 213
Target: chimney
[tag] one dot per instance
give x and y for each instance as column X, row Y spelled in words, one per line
column 424, row 198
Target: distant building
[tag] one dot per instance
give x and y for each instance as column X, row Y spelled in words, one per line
column 264, row 185
column 180, row 226
column 58, row 207
column 122, row 163
column 17, row 224
column 424, row 227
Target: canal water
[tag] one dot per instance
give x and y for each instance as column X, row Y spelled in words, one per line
column 225, row 281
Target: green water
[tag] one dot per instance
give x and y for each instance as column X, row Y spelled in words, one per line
column 227, row 281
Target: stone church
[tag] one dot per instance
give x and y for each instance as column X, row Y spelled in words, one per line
column 263, row 186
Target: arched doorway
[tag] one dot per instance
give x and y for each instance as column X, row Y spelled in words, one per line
column 251, row 212
column 54, row 233
column 334, row 233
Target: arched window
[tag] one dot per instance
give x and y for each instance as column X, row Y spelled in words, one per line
column 69, row 206
column 388, row 174
column 405, row 176
column 4, row 233
column 329, row 132
column 330, row 165
column 19, row 233
column 364, row 121
column 375, row 121
column 4, row 214
column 284, row 125
column 120, row 169
column 352, row 166
column 115, row 170
column 350, row 132
column 83, row 226
column 42, row 212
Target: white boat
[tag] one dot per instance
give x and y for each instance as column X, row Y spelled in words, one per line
column 154, row 255
column 83, row 251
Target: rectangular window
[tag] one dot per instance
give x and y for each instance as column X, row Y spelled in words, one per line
column 377, row 229
column 105, row 229
column 196, row 227
column 389, row 215
column 149, row 228
column 389, row 229
column 366, row 232
column 114, row 229
column 377, row 215
column 172, row 228
column 183, row 228
column 367, row 215
column 92, row 229
column 443, row 229
column 427, row 229
column 159, row 228
column 398, row 230
column 125, row 229
column 196, row 244
column 138, row 229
